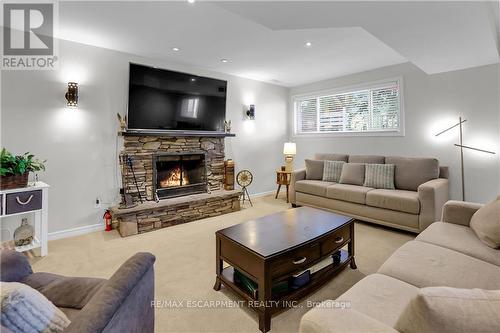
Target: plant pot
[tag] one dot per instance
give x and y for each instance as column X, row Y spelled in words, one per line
column 14, row 181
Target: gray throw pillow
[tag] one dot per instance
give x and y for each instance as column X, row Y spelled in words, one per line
column 332, row 171
column 379, row 176
column 486, row 223
column 353, row 173
column 314, row 169
column 25, row 309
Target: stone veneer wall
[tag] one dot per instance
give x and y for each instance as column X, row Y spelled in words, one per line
column 142, row 148
column 169, row 212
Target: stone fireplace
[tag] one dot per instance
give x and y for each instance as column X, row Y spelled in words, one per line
column 178, row 174
column 172, row 180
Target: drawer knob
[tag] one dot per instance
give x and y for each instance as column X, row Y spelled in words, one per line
column 339, row 240
column 24, row 202
column 299, row 261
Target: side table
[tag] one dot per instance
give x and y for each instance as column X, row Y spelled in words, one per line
column 283, row 178
column 31, row 199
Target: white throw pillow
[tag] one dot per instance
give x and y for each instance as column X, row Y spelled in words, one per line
column 24, row 309
column 452, row 310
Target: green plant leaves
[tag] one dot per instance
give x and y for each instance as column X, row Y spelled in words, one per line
column 18, row 165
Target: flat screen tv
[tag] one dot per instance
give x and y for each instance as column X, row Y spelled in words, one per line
column 163, row 100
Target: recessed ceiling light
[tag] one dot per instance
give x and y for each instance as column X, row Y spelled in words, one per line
column 176, row 49
column 193, row 79
column 223, row 60
column 191, row 1
column 308, row 44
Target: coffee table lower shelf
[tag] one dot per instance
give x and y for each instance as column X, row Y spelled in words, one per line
column 289, row 299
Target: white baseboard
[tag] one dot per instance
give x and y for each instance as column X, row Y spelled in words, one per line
column 75, row 231
column 261, row 194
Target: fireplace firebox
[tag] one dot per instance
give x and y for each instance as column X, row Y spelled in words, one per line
column 178, row 174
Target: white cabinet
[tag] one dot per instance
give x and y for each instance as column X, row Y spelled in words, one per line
column 33, row 199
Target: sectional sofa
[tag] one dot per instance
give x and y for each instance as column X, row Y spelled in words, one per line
column 421, row 190
column 447, row 253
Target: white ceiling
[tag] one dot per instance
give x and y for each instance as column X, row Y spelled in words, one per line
column 266, row 40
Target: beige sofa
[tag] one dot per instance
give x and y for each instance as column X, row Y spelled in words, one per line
column 447, row 253
column 421, row 184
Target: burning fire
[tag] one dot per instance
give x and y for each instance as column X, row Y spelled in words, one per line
column 174, row 179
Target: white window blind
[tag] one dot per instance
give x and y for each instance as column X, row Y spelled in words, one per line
column 373, row 109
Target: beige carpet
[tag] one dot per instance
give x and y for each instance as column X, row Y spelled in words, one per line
column 185, row 268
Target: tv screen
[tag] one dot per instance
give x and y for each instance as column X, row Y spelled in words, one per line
column 160, row 99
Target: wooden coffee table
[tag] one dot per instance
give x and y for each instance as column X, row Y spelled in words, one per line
column 274, row 247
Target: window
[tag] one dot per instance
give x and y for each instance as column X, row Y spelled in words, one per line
column 370, row 109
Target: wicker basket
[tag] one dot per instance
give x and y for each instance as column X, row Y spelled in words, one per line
column 14, row 181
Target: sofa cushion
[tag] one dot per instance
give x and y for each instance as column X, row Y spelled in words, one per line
column 353, row 173
column 26, row 310
column 452, row 310
column 427, row 265
column 331, row 157
column 346, row 192
column 372, row 159
column 379, row 176
column 380, row 297
column 314, row 169
column 402, row 201
column 63, row 291
column 314, row 187
column 324, row 319
column 332, row 171
column 459, row 238
column 486, row 223
column 411, row 172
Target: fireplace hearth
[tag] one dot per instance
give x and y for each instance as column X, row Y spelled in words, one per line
column 178, row 174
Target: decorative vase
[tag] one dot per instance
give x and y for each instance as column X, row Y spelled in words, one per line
column 14, row 181
column 24, row 234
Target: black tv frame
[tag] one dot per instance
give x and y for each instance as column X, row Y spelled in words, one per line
column 158, row 132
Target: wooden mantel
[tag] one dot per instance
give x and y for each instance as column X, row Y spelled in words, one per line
column 177, row 133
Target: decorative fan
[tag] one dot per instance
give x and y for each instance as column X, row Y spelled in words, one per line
column 244, row 179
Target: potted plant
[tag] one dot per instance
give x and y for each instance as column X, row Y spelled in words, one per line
column 14, row 170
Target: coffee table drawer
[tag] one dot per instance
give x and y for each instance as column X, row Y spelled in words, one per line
column 336, row 239
column 295, row 260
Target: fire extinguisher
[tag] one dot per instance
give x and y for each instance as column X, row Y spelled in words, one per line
column 107, row 219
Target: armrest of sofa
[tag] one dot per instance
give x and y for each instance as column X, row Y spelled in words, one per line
column 14, row 266
column 296, row 176
column 124, row 303
column 432, row 195
column 333, row 320
column 459, row 212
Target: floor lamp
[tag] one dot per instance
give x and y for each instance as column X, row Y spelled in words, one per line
column 462, row 147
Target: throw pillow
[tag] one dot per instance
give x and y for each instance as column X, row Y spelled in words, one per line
column 486, row 223
column 314, row 169
column 332, row 171
column 353, row 173
column 24, row 309
column 379, row 176
column 451, row 310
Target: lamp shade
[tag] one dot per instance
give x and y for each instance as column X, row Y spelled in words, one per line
column 289, row 148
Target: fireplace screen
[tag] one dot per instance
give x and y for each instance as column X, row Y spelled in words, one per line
column 179, row 174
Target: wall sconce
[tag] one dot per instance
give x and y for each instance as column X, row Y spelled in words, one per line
column 289, row 150
column 250, row 113
column 72, row 94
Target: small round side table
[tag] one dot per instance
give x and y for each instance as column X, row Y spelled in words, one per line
column 283, row 178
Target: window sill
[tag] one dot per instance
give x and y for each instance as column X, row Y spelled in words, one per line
column 350, row 134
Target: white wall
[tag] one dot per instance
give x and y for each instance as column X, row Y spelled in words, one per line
column 81, row 144
column 432, row 102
